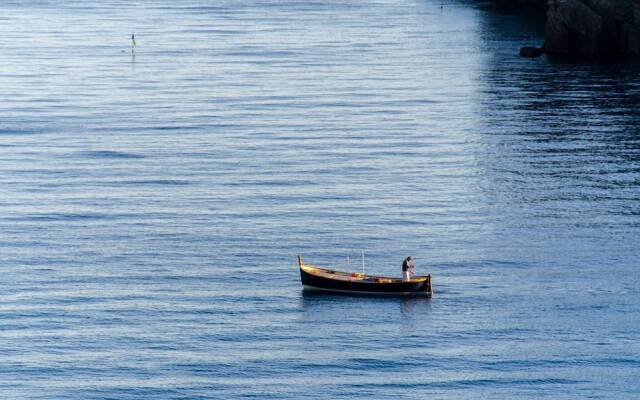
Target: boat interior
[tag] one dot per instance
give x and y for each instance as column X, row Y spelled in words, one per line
column 354, row 276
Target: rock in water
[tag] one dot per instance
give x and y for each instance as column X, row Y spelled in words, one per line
column 531, row 52
column 593, row 27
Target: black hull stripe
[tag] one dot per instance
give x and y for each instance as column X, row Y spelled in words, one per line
column 357, row 292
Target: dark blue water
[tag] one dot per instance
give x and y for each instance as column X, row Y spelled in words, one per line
column 151, row 206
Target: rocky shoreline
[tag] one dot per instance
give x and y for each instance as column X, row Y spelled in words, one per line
column 591, row 28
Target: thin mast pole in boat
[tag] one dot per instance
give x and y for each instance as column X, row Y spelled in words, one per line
column 362, row 262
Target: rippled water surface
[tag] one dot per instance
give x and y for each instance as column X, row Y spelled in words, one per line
column 152, row 205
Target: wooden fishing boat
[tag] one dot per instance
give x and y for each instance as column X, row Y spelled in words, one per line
column 327, row 280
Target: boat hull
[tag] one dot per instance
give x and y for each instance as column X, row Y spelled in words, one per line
column 393, row 287
column 313, row 289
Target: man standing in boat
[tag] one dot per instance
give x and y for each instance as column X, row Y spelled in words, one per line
column 407, row 268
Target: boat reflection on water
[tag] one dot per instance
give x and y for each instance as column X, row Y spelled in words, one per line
column 333, row 313
column 410, row 303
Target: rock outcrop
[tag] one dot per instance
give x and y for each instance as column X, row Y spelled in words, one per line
column 531, row 52
column 593, row 28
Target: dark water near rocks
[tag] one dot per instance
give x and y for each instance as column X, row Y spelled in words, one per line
column 152, row 205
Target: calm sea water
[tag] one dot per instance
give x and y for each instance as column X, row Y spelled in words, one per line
column 152, row 205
